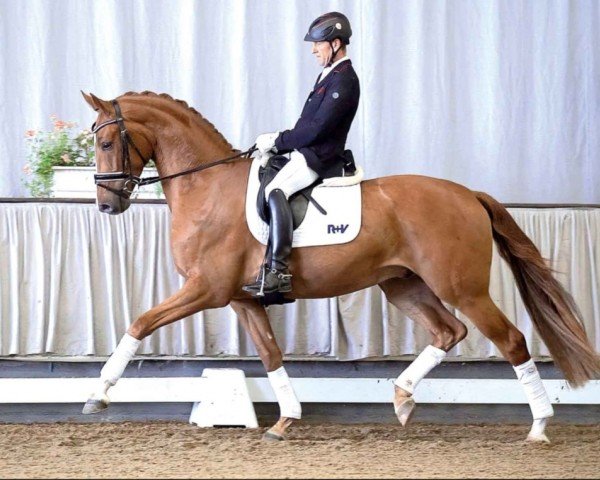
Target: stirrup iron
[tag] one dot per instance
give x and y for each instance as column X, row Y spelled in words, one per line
column 279, row 282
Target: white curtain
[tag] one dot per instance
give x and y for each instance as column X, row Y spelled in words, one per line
column 500, row 95
column 73, row 280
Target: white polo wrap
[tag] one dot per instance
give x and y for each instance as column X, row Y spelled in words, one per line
column 289, row 405
column 115, row 366
column 429, row 358
column 538, row 399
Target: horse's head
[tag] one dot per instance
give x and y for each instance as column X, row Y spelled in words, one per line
column 122, row 150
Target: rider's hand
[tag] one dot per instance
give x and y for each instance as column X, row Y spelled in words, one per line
column 266, row 142
column 264, row 158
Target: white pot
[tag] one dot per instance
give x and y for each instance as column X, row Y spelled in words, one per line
column 78, row 182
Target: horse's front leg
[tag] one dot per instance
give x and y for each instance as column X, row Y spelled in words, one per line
column 253, row 317
column 193, row 297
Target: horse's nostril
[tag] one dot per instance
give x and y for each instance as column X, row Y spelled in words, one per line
column 113, row 208
column 105, row 208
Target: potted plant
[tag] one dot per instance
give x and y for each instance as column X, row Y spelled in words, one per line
column 61, row 163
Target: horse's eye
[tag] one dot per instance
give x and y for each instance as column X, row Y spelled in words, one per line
column 106, row 145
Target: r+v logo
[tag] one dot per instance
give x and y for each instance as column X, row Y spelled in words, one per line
column 336, row 228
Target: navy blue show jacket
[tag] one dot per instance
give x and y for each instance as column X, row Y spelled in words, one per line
column 320, row 133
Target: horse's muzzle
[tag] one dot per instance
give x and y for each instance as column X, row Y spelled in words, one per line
column 114, row 208
column 110, row 209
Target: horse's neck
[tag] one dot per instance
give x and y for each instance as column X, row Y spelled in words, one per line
column 187, row 152
column 184, row 140
column 215, row 184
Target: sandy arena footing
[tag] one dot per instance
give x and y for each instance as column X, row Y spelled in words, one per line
column 180, row 450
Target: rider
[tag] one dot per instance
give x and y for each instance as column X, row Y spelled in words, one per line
column 316, row 142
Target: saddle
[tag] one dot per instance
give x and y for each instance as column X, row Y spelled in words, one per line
column 325, row 213
column 298, row 201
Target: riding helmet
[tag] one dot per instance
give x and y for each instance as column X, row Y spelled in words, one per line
column 328, row 27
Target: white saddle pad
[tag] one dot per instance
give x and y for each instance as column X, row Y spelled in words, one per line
column 340, row 225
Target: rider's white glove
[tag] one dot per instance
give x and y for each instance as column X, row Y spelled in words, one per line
column 266, row 142
column 264, row 158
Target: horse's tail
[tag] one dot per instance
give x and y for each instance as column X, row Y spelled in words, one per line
column 551, row 308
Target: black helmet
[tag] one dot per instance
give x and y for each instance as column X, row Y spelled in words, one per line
column 328, row 27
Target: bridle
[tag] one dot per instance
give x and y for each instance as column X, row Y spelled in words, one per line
column 126, row 174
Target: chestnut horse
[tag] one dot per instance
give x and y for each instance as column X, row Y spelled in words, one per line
column 423, row 240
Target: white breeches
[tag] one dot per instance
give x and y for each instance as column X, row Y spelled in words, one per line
column 295, row 176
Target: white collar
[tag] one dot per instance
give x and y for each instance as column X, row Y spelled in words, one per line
column 326, row 70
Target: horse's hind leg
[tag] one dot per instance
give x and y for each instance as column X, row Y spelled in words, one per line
column 490, row 320
column 416, row 300
column 255, row 321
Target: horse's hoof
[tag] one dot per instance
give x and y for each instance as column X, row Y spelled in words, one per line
column 537, row 438
column 272, row 437
column 94, row 406
column 404, row 411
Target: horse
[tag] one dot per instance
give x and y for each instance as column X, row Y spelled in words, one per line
column 423, row 240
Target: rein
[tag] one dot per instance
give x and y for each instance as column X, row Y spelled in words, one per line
column 199, row 168
column 126, row 174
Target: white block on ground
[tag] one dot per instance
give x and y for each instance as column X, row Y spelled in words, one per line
column 225, row 400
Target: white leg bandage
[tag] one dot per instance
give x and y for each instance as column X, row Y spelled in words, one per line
column 114, row 367
column 289, row 405
column 528, row 375
column 421, row 366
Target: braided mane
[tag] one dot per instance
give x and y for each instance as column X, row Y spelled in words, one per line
column 186, row 106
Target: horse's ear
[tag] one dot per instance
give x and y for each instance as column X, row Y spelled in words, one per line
column 96, row 103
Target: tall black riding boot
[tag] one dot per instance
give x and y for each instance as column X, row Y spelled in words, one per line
column 276, row 277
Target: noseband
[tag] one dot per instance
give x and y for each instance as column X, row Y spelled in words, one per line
column 126, row 174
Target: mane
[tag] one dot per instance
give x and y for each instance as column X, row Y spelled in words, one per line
column 185, row 105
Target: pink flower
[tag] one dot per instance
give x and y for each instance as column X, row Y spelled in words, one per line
column 27, row 169
column 30, row 133
column 61, row 124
